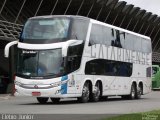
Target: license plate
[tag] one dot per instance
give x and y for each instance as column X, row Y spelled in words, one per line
column 36, row 94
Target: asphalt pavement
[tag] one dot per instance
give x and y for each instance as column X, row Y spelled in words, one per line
column 70, row 109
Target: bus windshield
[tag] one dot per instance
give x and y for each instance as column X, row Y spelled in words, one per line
column 41, row 30
column 42, row 63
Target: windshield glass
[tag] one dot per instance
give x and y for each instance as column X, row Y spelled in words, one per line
column 40, row 63
column 45, row 29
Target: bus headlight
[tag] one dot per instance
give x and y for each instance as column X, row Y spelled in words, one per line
column 56, row 84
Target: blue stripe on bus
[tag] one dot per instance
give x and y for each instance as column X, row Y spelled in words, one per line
column 64, row 86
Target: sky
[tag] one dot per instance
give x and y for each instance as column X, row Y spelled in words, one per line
column 149, row 5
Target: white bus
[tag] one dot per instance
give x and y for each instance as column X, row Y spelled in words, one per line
column 73, row 56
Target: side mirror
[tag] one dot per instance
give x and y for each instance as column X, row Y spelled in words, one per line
column 20, row 35
column 7, row 47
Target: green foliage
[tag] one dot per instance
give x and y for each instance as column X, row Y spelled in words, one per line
column 152, row 115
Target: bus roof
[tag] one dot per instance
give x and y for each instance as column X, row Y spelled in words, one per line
column 93, row 21
column 67, row 16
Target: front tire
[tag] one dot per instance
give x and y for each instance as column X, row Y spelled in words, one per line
column 42, row 100
column 85, row 94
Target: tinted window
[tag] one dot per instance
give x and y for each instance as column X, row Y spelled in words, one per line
column 137, row 43
column 148, row 72
column 122, row 38
column 74, row 57
column 146, row 46
column 101, row 34
column 108, row 36
column 32, row 63
column 119, row 37
column 79, row 29
column 108, row 67
column 129, row 41
column 105, row 35
column 96, row 36
column 45, row 30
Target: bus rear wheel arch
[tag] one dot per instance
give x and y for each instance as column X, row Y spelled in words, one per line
column 133, row 91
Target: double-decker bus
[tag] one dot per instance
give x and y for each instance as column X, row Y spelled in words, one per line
column 73, row 56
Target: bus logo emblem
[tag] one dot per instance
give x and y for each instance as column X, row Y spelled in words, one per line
column 36, row 86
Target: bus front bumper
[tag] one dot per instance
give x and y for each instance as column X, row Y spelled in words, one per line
column 56, row 92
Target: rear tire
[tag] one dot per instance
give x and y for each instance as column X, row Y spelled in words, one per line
column 42, row 100
column 85, row 93
column 96, row 93
column 133, row 92
column 139, row 92
column 55, row 100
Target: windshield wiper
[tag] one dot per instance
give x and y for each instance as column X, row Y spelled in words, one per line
column 50, row 74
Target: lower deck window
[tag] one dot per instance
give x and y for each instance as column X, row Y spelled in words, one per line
column 108, row 68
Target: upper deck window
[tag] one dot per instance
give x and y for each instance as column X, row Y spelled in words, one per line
column 45, row 30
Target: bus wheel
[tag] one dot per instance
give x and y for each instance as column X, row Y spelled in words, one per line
column 139, row 92
column 42, row 100
column 96, row 93
column 55, row 100
column 133, row 92
column 85, row 93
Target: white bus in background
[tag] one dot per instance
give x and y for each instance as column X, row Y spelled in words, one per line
column 74, row 56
